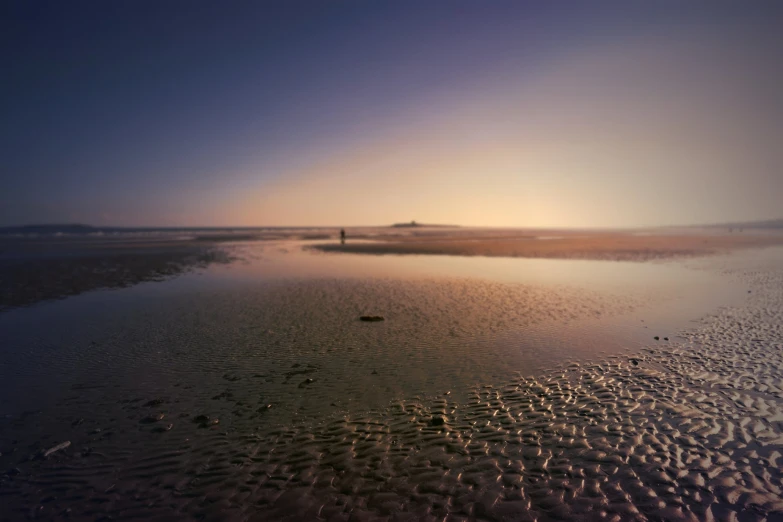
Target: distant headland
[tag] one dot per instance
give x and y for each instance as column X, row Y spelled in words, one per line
column 51, row 228
column 413, row 224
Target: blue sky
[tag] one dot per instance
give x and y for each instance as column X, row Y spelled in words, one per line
column 347, row 113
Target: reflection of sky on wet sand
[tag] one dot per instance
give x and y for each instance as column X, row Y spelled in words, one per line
column 697, row 289
column 452, row 322
column 674, row 295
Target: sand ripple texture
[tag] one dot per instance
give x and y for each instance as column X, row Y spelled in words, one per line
column 691, row 430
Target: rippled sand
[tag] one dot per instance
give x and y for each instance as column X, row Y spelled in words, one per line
column 689, row 428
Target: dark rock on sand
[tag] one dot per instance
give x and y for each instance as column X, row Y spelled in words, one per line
column 371, row 318
column 635, row 362
column 167, row 427
column 306, row 382
column 154, row 402
column 204, row 421
column 656, row 338
column 149, row 419
column 438, row 420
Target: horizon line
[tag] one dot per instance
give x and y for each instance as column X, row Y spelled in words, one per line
column 397, row 225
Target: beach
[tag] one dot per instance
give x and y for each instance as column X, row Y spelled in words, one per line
column 607, row 245
column 441, row 261
column 525, row 375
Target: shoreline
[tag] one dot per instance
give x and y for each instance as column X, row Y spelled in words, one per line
column 41, row 269
column 607, row 246
column 28, row 278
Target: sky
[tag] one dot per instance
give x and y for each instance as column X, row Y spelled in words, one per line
column 316, row 113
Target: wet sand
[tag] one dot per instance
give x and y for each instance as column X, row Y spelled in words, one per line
column 244, row 398
column 559, row 244
column 34, row 271
column 43, row 268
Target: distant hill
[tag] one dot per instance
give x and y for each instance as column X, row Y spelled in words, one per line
column 413, row 224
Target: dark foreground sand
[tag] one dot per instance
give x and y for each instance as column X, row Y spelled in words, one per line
column 618, row 246
column 37, row 271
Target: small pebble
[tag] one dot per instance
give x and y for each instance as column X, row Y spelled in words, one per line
column 149, row 419
column 167, row 427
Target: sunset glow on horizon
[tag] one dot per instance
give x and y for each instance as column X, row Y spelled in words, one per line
column 510, row 114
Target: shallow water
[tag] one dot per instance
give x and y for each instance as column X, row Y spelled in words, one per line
column 272, row 346
column 451, row 322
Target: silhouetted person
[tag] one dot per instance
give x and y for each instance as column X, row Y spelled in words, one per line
column 342, row 236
